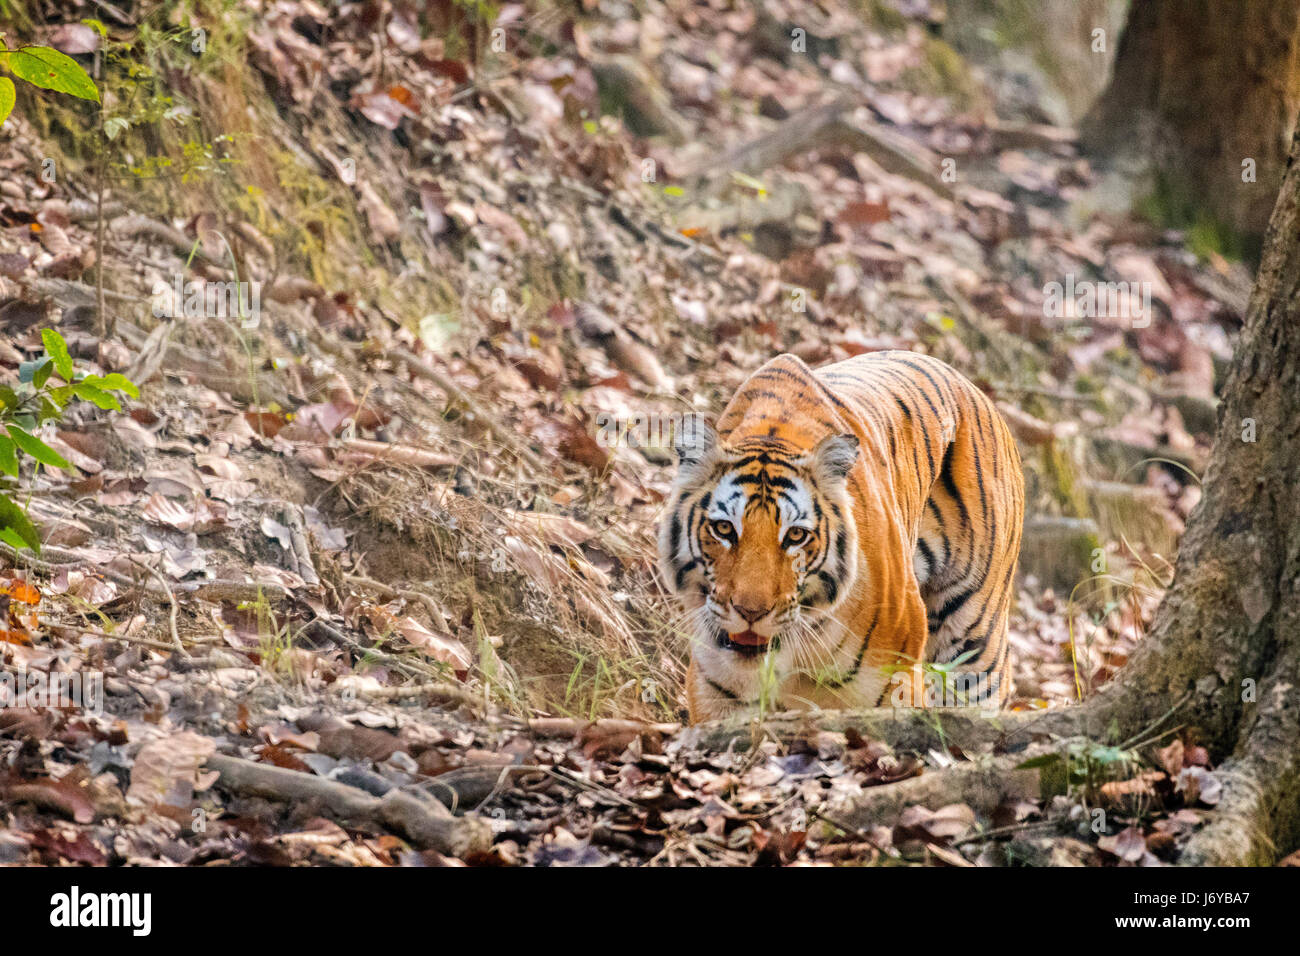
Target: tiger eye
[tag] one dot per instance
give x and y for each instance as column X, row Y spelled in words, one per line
column 795, row 536
column 723, row 529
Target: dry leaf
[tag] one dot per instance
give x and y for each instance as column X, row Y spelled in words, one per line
column 167, row 770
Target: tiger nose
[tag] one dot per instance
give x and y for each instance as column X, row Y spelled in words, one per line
column 748, row 613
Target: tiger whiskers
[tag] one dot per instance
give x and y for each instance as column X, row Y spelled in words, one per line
column 692, row 620
column 812, row 654
column 815, row 649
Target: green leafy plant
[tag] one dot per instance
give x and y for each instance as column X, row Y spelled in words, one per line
column 44, row 67
column 1084, row 766
column 769, row 685
column 36, row 399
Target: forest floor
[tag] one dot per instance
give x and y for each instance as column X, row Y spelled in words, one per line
column 372, row 540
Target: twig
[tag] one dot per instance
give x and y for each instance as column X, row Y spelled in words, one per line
column 502, row 433
column 78, row 293
column 171, row 598
column 219, row 590
column 135, row 224
column 796, row 134
column 438, row 691
column 103, row 326
column 298, row 540
column 1141, row 734
column 388, row 593
column 78, row 211
column 852, row 831
column 332, row 633
column 985, row 835
column 142, row 641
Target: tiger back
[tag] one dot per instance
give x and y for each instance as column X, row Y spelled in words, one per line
column 842, row 533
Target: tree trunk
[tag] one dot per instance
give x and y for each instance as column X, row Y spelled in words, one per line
column 1227, row 636
column 1199, row 87
column 1223, row 655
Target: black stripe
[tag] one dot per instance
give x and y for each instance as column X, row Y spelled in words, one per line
column 721, row 690
column 921, row 369
column 955, row 603
column 804, row 380
column 927, row 554
column 950, row 485
column 857, row 660
column 941, row 528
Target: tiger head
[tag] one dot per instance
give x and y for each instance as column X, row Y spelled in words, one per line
column 758, row 536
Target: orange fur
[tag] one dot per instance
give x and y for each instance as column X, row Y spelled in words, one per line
column 853, row 568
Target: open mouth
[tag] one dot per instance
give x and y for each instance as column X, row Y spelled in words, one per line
column 746, row 643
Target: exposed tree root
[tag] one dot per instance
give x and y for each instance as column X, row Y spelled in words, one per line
column 425, row 822
column 937, row 728
column 982, row 785
column 1258, row 816
column 433, row 692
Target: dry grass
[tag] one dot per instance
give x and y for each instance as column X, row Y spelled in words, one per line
column 554, row 632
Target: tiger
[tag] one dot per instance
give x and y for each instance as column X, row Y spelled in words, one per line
column 842, row 537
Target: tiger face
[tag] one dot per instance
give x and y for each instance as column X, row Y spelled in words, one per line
column 759, row 541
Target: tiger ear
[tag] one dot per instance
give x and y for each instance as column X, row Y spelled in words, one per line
column 835, row 456
column 693, row 441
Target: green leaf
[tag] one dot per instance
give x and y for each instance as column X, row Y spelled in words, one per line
column 115, row 126
column 8, row 456
column 17, row 525
column 1046, row 760
column 37, row 448
column 49, row 69
column 57, row 349
column 61, row 395
column 1107, row 755
column 8, row 397
column 49, row 409
column 8, row 97
column 96, row 396
column 42, row 375
column 115, row 382
column 956, row 662
column 12, row 538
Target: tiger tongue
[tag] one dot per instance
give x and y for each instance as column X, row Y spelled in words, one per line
column 748, row 639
